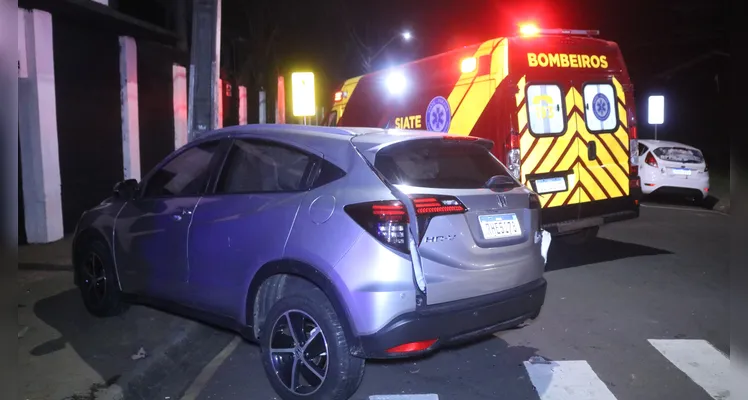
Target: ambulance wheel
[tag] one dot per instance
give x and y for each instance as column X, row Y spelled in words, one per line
column 579, row 238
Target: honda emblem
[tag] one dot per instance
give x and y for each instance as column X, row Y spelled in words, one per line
column 502, row 200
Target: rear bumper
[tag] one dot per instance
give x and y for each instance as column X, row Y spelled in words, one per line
column 570, row 218
column 457, row 321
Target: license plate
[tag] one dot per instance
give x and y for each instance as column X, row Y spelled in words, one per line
column 681, row 171
column 550, row 185
column 499, row 226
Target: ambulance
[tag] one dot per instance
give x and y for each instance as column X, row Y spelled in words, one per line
column 557, row 103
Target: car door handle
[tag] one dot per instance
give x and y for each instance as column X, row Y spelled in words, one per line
column 592, row 150
column 177, row 216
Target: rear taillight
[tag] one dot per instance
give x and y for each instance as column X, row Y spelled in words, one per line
column 388, row 220
column 650, row 160
column 385, row 220
column 633, row 152
column 513, row 159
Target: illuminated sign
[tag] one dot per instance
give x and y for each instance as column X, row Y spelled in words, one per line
column 656, row 114
column 566, row 60
column 408, row 122
column 302, row 93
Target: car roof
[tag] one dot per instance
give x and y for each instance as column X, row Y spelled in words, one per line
column 664, row 143
column 332, row 142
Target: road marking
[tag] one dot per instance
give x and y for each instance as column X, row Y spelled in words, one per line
column 567, row 380
column 209, row 370
column 684, row 208
column 705, row 365
column 405, row 397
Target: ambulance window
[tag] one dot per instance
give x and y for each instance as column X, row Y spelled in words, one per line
column 600, row 110
column 545, row 110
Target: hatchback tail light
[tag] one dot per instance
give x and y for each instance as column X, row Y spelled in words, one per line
column 650, row 160
column 387, row 221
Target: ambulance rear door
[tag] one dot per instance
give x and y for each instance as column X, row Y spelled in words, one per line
column 549, row 149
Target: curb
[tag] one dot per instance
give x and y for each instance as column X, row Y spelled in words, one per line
column 160, row 361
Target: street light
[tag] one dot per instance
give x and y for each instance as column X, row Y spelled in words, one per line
column 405, row 35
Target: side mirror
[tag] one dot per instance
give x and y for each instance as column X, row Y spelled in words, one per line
column 126, row 189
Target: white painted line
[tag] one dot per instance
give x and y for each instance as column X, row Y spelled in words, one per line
column 684, row 208
column 700, row 361
column 404, row 397
column 209, row 370
column 567, row 380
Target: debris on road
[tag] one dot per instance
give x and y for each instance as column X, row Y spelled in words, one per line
column 538, row 360
column 139, row 355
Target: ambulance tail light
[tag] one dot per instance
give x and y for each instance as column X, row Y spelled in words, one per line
column 633, row 152
column 513, row 160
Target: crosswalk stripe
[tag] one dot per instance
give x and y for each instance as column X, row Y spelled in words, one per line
column 700, row 361
column 567, row 380
column 405, row 397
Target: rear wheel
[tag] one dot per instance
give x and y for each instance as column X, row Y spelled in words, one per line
column 98, row 281
column 305, row 352
column 580, row 237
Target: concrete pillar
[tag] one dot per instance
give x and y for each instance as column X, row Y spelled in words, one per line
column 204, row 90
column 179, row 81
column 242, row 105
column 263, row 108
column 128, row 80
column 37, row 128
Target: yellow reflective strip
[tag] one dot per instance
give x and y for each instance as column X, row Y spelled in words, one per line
column 569, row 102
column 562, row 196
column 533, row 158
column 591, row 185
column 578, row 99
column 544, row 199
column 348, row 86
column 583, row 198
column 619, row 90
column 521, row 93
column 622, row 116
column 467, row 101
column 522, row 119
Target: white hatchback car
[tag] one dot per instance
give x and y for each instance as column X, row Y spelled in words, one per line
column 673, row 168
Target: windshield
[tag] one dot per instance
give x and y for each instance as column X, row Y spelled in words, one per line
column 442, row 164
column 679, row 154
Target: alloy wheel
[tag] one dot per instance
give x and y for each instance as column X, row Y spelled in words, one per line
column 94, row 279
column 299, row 352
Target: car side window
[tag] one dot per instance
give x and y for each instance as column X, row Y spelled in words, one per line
column 642, row 149
column 262, row 167
column 185, row 175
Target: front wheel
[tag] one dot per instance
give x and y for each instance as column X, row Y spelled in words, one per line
column 305, row 352
column 98, row 281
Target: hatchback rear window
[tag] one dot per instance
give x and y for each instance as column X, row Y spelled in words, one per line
column 679, row 154
column 441, row 164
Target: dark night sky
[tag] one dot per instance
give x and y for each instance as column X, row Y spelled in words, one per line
column 655, row 36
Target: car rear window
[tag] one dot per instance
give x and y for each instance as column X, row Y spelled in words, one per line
column 440, row 164
column 679, row 154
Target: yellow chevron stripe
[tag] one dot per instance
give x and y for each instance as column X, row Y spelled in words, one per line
column 591, row 185
column 561, row 198
column 467, row 100
column 348, row 86
column 622, row 116
column 521, row 94
column 583, row 197
column 522, row 120
column 619, row 90
column 541, row 147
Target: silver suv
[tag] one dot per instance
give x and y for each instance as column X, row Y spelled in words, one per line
column 326, row 246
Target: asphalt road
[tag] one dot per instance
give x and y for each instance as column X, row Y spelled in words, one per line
column 662, row 276
column 639, row 313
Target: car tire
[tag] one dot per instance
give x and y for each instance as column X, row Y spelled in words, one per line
column 317, row 349
column 97, row 281
column 580, row 237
